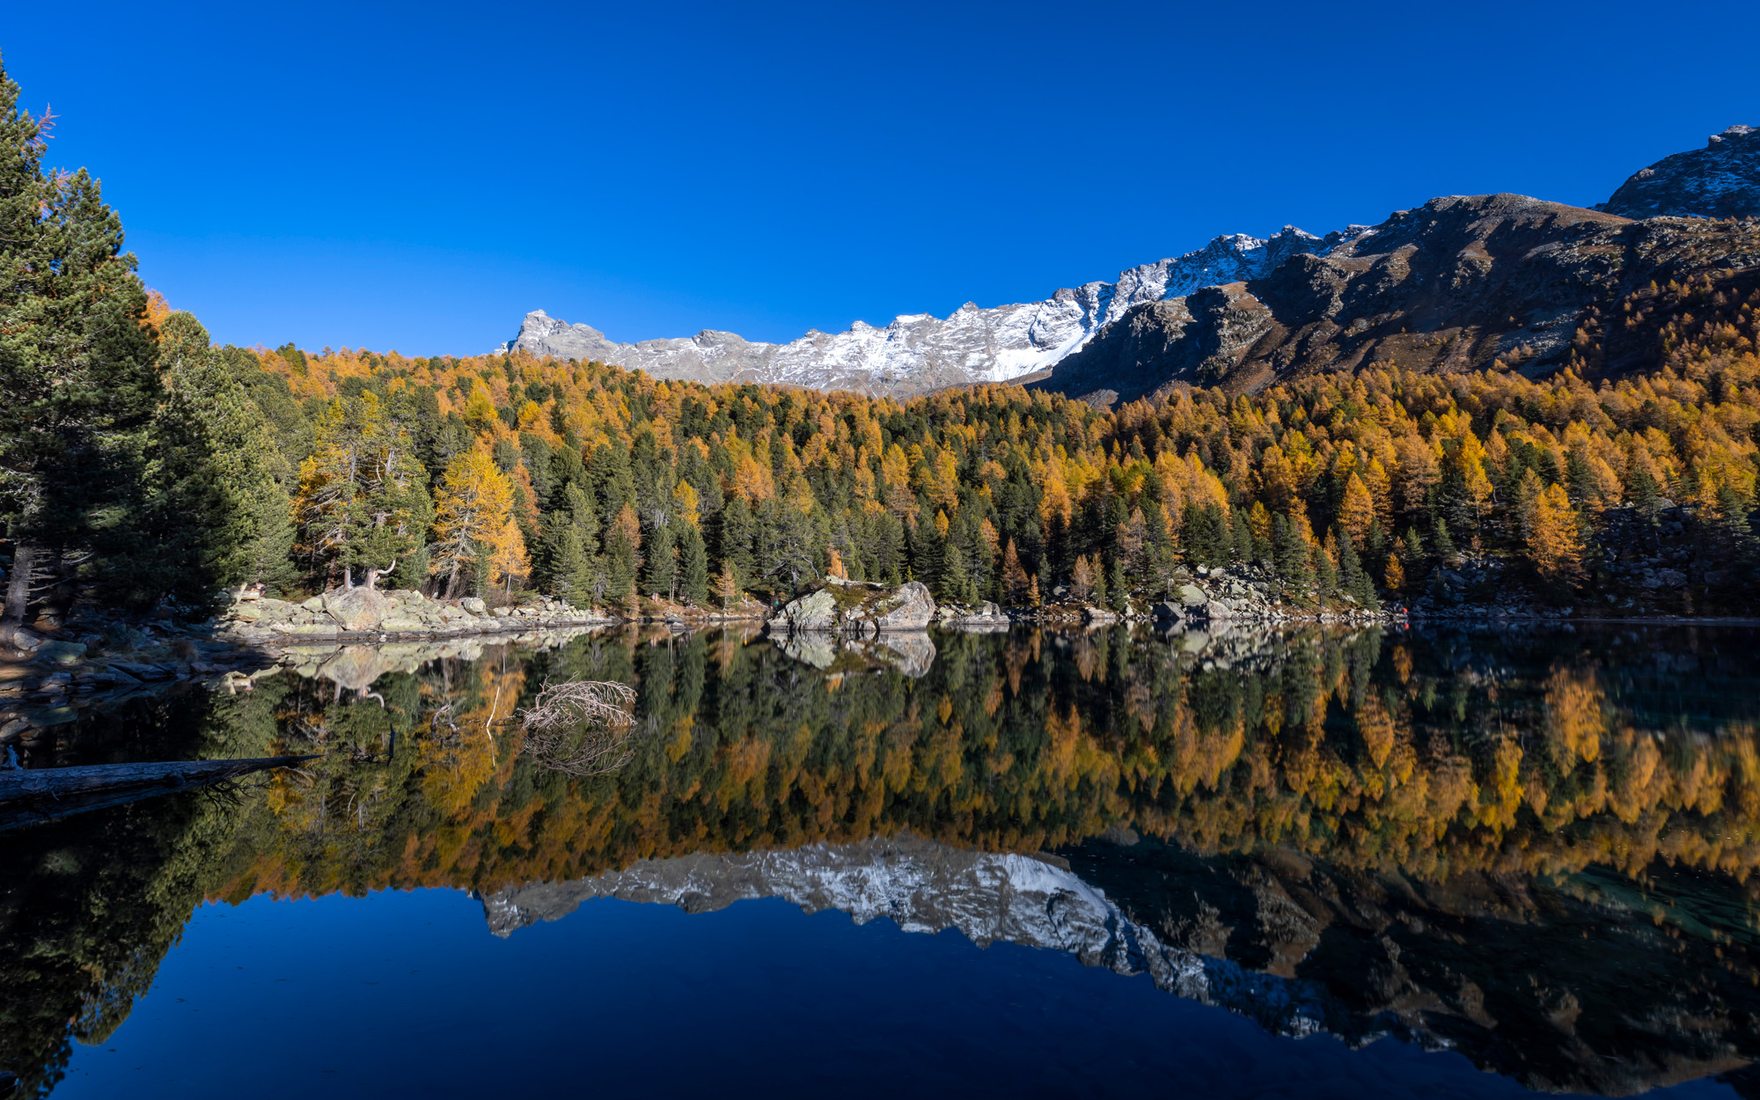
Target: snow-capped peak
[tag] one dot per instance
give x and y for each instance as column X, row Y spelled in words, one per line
column 917, row 352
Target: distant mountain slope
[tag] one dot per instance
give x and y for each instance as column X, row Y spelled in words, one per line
column 1721, row 180
column 918, row 352
column 1456, row 284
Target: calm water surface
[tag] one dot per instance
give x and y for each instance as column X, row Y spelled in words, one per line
column 1466, row 864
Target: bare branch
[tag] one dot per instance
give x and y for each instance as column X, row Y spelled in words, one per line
column 581, row 727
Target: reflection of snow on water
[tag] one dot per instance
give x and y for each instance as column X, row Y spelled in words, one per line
column 925, row 887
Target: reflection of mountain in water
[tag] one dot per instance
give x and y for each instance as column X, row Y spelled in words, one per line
column 1546, row 981
column 923, row 886
column 1543, row 848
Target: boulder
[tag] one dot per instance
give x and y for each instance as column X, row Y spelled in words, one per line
column 474, row 605
column 816, row 611
column 986, row 614
column 356, row 610
column 909, row 607
column 61, row 653
column 852, row 607
column 1190, row 595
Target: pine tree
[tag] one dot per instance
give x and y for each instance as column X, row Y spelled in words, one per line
column 476, row 505
column 1014, row 577
column 727, row 588
column 570, row 566
column 738, row 537
column 507, row 557
column 693, row 566
column 1394, row 575
column 1353, row 580
column 1293, row 561
column 216, row 478
column 955, row 583
column 76, row 372
column 660, row 562
column 623, row 540
column 1356, row 510
column 1082, row 580
column 363, row 496
column 1551, row 530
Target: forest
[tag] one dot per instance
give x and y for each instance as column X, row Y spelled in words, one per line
column 142, row 467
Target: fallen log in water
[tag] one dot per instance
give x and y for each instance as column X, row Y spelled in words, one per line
column 34, row 796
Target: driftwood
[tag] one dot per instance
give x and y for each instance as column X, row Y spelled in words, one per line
column 35, row 796
column 581, row 727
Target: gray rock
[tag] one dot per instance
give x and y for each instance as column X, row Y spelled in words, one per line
column 61, row 653
column 474, row 605
column 816, row 611
column 356, row 610
column 911, row 607
column 1721, row 180
column 849, row 607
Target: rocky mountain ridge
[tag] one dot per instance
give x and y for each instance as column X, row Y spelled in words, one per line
column 918, row 352
column 1457, row 283
column 1722, row 180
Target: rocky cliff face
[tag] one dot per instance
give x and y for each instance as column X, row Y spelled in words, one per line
column 1721, row 180
column 1456, row 284
column 918, row 352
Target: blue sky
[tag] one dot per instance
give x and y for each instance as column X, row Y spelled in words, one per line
column 417, row 176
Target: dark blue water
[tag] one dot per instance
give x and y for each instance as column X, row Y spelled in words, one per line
column 406, row 994
column 1439, row 865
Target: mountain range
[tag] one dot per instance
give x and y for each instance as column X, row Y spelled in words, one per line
column 1460, row 282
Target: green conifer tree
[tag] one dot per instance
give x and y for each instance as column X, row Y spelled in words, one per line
column 76, row 372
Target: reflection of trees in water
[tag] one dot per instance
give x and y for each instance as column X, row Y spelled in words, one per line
column 1422, row 757
column 1426, row 758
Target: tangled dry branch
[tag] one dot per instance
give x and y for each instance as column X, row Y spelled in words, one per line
column 581, row 727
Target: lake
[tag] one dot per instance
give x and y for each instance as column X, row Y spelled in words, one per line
column 1463, row 862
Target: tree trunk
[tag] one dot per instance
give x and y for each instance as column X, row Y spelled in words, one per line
column 31, row 796
column 18, row 585
column 452, row 581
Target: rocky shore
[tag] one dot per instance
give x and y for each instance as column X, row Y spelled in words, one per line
column 351, row 614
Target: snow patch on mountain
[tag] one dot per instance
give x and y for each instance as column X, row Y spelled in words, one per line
column 917, row 352
column 1721, row 180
